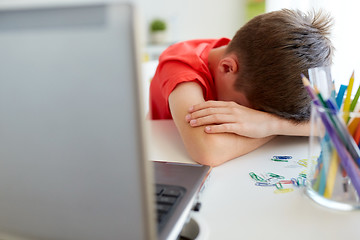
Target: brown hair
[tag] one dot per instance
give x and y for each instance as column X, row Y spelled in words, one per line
column 273, row 50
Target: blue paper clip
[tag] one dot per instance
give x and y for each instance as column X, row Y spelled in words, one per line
column 300, row 181
column 295, row 182
column 264, row 184
column 281, row 158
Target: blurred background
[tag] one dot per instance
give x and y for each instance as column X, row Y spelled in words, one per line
column 191, row 19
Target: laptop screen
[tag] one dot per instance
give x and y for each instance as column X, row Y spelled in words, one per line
column 71, row 159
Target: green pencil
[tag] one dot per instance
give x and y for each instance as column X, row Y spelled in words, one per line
column 356, row 98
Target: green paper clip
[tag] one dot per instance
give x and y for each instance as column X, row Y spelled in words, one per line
column 256, row 177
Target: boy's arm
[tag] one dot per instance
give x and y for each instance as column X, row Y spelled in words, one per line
column 230, row 117
column 207, row 149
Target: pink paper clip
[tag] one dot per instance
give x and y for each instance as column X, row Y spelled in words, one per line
column 286, row 182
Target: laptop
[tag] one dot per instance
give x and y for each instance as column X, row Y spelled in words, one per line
column 73, row 162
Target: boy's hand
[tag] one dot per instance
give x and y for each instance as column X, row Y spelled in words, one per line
column 207, row 149
column 230, row 117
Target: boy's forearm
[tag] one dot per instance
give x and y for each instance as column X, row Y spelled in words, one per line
column 290, row 128
column 216, row 149
column 207, row 149
column 230, row 117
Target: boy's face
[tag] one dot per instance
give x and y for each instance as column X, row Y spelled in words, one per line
column 225, row 69
column 226, row 92
column 225, row 75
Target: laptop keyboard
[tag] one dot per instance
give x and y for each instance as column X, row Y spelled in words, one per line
column 167, row 198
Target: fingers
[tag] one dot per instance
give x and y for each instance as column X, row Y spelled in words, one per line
column 208, row 108
column 210, row 119
column 226, row 128
column 208, row 112
column 221, row 117
column 212, row 112
column 210, row 104
column 238, row 129
column 229, row 117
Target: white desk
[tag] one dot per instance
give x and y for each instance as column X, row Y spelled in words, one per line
column 234, row 208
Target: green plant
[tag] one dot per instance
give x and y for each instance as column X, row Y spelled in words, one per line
column 157, row 25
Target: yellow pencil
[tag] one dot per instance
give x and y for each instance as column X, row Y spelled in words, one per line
column 346, row 107
column 330, row 182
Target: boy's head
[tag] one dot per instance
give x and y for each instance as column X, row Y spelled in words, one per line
column 273, row 49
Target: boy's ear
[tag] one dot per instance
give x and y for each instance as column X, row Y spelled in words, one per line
column 229, row 64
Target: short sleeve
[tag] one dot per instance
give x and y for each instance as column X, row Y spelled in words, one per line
column 173, row 73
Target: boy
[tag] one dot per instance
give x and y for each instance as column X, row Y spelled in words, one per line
column 227, row 98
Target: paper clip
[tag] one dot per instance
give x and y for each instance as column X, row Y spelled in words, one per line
column 284, row 190
column 281, row 158
column 295, row 182
column 264, row 184
column 256, row 177
column 272, row 180
column 302, row 162
column 303, row 175
column 303, row 180
column 278, row 185
column 274, row 175
column 286, row 182
column 299, row 181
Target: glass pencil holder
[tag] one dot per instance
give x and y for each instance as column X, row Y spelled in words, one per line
column 333, row 175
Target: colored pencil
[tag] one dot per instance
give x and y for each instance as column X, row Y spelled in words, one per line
column 346, row 107
column 334, row 163
column 346, row 159
column 348, row 140
column 353, row 124
column 357, row 135
column 340, row 95
column 356, row 98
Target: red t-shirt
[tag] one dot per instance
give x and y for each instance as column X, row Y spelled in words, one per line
column 182, row 62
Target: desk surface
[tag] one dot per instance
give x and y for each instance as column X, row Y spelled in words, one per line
column 234, row 208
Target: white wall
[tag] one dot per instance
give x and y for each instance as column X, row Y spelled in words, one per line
column 189, row 19
column 345, row 34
